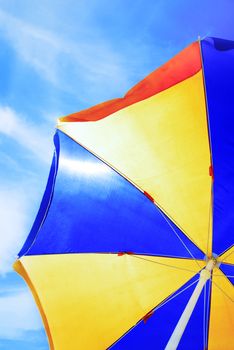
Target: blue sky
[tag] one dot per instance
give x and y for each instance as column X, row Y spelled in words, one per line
column 58, row 57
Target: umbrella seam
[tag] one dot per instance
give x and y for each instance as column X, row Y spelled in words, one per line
column 210, row 148
column 164, row 302
column 158, row 207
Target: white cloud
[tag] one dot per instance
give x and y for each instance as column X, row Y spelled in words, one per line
column 18, row 315
column 35, row 46
column 13, row 225
column 19, row 200
column 18, row 203
column 34, row 138
column 64, row 62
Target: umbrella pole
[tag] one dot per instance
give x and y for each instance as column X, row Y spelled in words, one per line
column 182, row 323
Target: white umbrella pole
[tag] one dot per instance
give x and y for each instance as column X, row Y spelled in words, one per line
column 182, row 323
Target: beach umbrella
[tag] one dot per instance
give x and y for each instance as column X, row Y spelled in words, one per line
column 132, row 247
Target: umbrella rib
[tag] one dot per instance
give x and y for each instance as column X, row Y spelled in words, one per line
column 209, row 230
column 204, row 319
column 173, row 296
column 164, row 216
column 158, row 207
column 223, row 291
column 156, row 262
column 224, row 276
column 163, row 211
column 207, row 314
column 226, row 257
column 209, row 138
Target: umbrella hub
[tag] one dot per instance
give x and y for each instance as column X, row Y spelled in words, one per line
column 205, row 274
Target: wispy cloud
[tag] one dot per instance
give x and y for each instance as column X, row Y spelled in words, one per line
column 34, row 46
column 14, row 222
column 36, row 139
column 18, row 315
column 64, row 62
column 18, row 200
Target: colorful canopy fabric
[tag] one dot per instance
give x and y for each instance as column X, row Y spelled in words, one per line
column 139, row 197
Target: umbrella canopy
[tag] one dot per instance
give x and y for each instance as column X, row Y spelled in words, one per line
column 134, row 236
